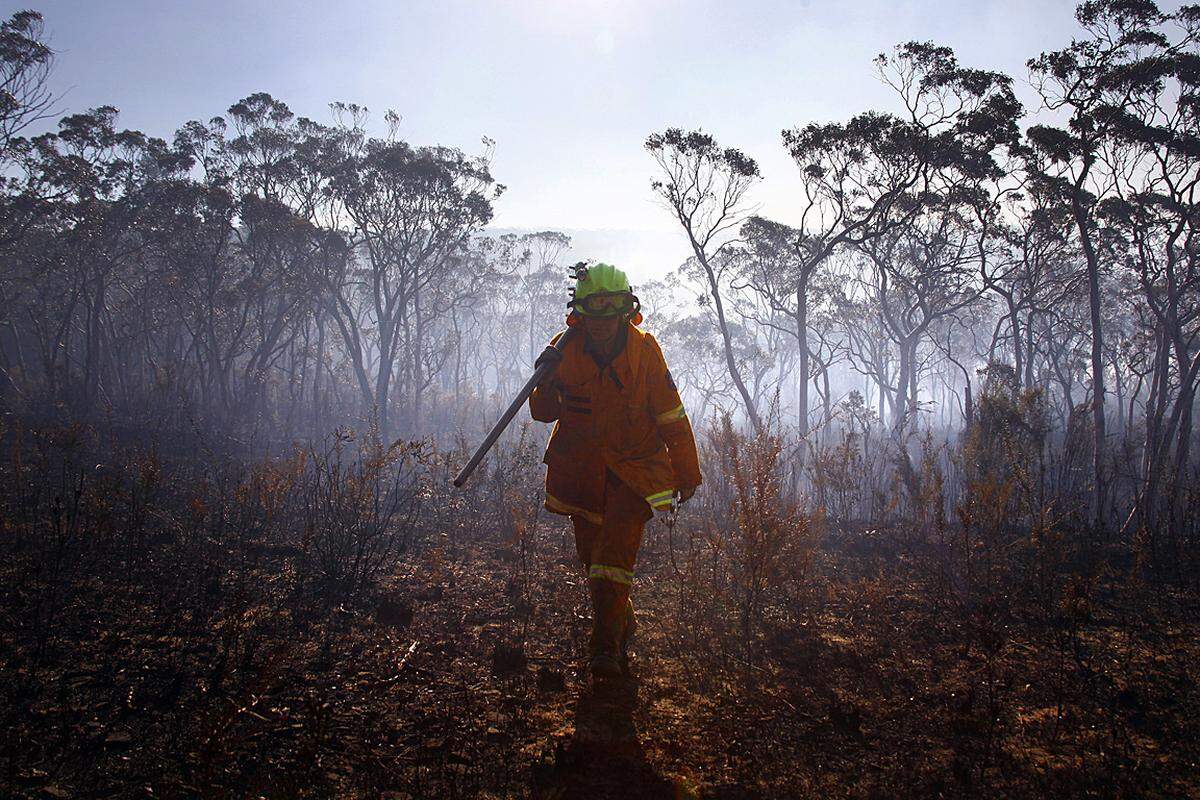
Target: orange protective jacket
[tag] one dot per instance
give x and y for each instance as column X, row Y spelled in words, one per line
column 627, row 418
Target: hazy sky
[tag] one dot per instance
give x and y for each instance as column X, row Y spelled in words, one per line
column 568, row 90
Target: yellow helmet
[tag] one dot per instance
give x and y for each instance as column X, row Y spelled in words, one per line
column 602, row 290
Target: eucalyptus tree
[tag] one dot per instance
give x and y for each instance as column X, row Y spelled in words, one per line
column 1033, row 270
column 766, row 268
column 766, row 274
column 486, row 282
column 698, row 361
column 190, row 256
column 103, row 183
column 1148, row 91
column 770, row 348
column 26, row 61
column 250, row 288
column 859, row 179
column 278, row 290
column 542, row 276
column 955, row 340
column 788, row 297
column 704, row 186
column 827, row 345
column 1111, row 86
column 411, row 211
column 869, row 350
column 921, row 274
column 872, row 175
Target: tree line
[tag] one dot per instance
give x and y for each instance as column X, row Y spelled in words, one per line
column 267, row 275
column 949, row 242
column 260, row 270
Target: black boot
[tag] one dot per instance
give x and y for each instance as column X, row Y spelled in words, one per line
column 610, row 613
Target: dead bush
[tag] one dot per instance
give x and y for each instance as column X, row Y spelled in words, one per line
column 773, row 538
column 360, row 500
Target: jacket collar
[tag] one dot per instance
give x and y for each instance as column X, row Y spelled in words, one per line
column 625, row 363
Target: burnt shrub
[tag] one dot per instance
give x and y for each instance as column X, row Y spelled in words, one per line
column 361, row 499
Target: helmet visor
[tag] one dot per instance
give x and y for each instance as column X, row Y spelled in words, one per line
column 605, row 304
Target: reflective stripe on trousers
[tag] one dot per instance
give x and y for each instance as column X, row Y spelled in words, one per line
column 614, row 574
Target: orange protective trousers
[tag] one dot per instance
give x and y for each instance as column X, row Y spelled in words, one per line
column 616, row 540
column 612, row 546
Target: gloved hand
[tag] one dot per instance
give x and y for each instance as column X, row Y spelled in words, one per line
column 686, row 493
column 550, row 355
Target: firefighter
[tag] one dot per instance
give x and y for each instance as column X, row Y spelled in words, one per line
column 621, row 450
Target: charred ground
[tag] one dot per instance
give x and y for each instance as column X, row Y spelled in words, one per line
column 174, row 629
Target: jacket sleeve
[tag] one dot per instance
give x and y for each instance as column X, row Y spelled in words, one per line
column 674, row 428
column 546, row 401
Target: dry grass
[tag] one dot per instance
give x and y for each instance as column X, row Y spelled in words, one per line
column 341, row 623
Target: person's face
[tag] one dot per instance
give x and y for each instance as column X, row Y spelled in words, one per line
column 601, row 330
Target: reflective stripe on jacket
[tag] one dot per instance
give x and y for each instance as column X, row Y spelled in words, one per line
column 628, row 418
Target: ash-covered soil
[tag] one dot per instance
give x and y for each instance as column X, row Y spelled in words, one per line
column 461, row 678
